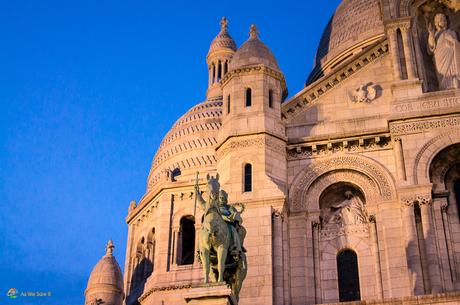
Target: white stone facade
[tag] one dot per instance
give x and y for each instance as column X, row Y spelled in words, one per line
column 371, row 121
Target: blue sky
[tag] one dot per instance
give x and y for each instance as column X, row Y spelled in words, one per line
column 87, row 90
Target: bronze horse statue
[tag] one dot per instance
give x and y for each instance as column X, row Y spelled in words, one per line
column 214, row 235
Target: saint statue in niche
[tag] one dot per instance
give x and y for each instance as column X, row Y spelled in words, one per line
column 350, row 211
column 444, row 46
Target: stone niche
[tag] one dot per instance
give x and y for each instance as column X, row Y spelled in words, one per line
column 424, row 16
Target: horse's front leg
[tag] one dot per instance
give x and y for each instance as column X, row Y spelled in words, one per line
column 204, row 254
column 221, row 257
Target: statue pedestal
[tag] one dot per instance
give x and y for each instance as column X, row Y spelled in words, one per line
column 210, row 294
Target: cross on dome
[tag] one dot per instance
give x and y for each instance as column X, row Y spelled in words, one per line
column 223, row 24
column 253, row 33
column 109, row 247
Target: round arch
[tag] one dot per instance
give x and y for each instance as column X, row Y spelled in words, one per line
column 426, row 154
column 372, row 178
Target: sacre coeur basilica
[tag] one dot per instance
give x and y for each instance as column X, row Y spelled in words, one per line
column 347, row 191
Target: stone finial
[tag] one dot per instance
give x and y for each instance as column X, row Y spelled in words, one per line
column 132, row 205
column 223, row 24
column 253, row 33
column 109, row 248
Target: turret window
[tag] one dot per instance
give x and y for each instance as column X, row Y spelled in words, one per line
column 248, row 178
column 270, row 98
column 228, row 103
column 248, row 97
column 219, row 71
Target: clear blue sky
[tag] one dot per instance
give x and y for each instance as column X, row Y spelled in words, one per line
column 87, row 91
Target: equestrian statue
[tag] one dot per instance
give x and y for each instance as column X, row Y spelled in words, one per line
column 221, row 237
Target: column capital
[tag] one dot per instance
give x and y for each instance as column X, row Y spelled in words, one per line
column 412, row 199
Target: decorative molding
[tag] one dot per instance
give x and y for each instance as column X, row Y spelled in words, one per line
column 163, row 288
column 236, row 143
column 402, row 128
column 321, row 149
column 364, row 166
column 330, row 232
column 420, row 199
column 310, row 95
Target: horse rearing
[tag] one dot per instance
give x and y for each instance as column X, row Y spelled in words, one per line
column 214, row 233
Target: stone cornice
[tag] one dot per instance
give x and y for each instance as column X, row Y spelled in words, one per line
column 309, row 95
column 255, row 70
column 308, row 150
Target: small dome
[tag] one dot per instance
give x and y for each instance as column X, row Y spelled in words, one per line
column 223, row 40
column 106, row 280
column 253, row 52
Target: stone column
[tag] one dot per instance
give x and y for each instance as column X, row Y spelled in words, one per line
column 430, row 247
column 442, row 235
column 408, row 53
column 376, row 253
column 393, row 42
column 412, row 251
column 316, row 226
column 399, row 159
column 278, row 279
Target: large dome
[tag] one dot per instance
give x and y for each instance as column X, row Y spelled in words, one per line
column 189, row 145
column 355, row 25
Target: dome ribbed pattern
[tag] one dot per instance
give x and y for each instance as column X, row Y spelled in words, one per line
column 223, row 40
column 190, row 143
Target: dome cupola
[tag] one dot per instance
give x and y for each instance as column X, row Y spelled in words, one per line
column 253, row 52
column 105, row 284
column 219, row 55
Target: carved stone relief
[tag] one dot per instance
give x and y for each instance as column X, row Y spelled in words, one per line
column 365, row 93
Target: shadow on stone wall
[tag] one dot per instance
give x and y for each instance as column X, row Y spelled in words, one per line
column 140, row 275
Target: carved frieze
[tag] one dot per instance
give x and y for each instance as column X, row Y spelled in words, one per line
column 320, row 149
column 401, row 128
column 249, row 141
column 329, row 233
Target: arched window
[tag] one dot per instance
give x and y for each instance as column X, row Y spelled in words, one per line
column 248, row 178
column 219, row 71
column 186, row 242
column 228, row 103
column 226, row 67
column 213, row 73
column 270, row 98
column 248, row 97
column 347, row 269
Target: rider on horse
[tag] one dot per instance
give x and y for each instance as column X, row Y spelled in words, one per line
column 234, row 221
